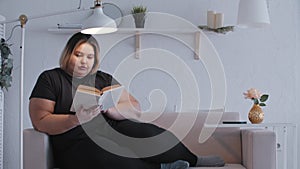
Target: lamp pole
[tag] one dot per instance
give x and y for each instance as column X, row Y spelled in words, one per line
column 23, row 19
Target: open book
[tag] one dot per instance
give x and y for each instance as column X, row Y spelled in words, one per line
column 89, row 97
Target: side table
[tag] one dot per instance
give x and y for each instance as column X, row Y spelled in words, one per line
column 286, row 141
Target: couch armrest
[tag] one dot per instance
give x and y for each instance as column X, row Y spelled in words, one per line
column 36, row 150
column 258, row 149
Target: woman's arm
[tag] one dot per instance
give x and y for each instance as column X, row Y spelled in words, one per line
column 43, row 119
column 127, row 108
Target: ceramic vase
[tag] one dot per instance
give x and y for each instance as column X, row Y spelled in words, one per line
column 256, row 115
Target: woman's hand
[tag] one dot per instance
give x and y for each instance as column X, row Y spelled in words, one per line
column 86, row 115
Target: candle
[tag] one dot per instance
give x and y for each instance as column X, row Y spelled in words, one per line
column 219, row 20
column 211, row 19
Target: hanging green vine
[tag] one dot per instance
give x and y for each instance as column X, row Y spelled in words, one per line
column 6, row 65
column 222, row 30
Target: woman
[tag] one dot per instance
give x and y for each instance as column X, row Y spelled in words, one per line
column 73, row 147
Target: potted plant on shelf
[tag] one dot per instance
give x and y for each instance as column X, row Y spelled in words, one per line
column 6, row 65
column 139, row 14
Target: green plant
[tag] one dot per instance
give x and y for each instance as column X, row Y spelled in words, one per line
column 138, row 9
column 6, row 65
column 222, row 30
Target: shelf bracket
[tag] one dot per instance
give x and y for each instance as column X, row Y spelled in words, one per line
column 137, row 44
column 197, row 46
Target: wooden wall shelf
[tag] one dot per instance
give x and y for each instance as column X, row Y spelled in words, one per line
column 138, row 32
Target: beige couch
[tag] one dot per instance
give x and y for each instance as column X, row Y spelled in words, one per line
column 240, row 148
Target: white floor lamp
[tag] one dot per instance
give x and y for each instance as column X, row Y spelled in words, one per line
column 102, row 24
column 22, row 19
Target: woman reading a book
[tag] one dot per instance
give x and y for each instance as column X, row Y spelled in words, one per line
column 72, row 132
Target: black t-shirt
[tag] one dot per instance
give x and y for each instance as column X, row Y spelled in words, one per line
column 60, row 87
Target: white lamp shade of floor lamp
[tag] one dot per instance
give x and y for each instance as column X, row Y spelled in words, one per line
column 98, row 23
column 253, row 13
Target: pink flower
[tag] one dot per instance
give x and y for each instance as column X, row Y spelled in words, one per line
column 252, row 94
column 256, row 97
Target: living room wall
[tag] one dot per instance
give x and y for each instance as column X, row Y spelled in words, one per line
column 266, row 59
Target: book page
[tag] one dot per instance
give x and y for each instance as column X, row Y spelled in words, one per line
column 110, row 97
column 92, row 97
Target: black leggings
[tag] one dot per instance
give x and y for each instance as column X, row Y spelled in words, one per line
column 173, row 149
column 107, row 149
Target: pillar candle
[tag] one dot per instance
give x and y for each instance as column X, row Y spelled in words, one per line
column 219, row 20
column 211, row 19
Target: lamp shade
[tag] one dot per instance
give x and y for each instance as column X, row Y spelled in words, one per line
column 98, row 23
column 253, row 13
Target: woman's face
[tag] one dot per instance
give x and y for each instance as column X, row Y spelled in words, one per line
column 82, row 60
